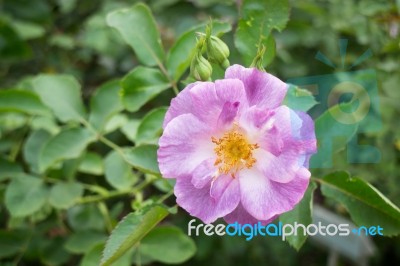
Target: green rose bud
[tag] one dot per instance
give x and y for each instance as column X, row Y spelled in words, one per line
column 217, row 51
column 200, row 68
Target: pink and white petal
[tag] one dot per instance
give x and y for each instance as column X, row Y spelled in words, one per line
column 264, row 199
column 181, row 104
column 199, row 203
column 280, row 168
column 241, row 216
column 185, row 143
column 262, row 89
column 228, row 114
column 204, row 173
column 208, row 99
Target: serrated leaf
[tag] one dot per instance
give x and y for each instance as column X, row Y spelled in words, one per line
column 302, row 214
column 68, row 144
column 104, row 103
column 366, row 205
column 25, row 195
column 129, row 232
column 258, row 19
column 118, row 172
column 144, row 158
column 141, row 85
column 299, row 99
column 150, row 128
column 22, row 101
column 139, row 30
column 168, row 244
column 62, row 94
column 181, row 53
column 65, row 195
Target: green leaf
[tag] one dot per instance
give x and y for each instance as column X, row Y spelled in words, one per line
column 92, row 164
column 117, row 121
column 84, row 241
column 130, row 129
column 9, row 169
column 118, row 172
column 168, row 244
column 105, row 102
column 332, row 135
column 85, row 217
column 22, row 101
column 180, row 55
column 12, row 242
column 12, row 48
column 130, row 231
column 144, row 158
column 28, row 30
column 25, row 195
column 299, row 99
column 32, row 147
column 302, row 214
column 93, row 257
column 150, row 128
column 138, row 28
column 68, row 144
column 65, row 195
column 141, row 85
column 366, row 205
column 258, row 19
column 62, row 94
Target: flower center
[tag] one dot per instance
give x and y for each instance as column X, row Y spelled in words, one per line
column 234, row 152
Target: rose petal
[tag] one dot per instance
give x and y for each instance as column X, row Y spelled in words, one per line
column 262, row 89
column 241, row 216
column 264, row 199
column 185, row 143
column 199, row 203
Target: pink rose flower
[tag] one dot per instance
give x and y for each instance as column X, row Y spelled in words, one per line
column 234, row 150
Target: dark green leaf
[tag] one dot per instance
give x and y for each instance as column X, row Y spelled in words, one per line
column 85, row 217
column 12, row 242
column 118, row 172
column 9, row 169
column 150, row 127
column 25, row 195
column 138, row 28
column 366, row 205
column 105, row 102
column 83, row 242
column 12, row 47
column 129, row 232
column 62, row 94
column 141, row 85
column 64, row 195
column 258, row 19
column 92, row 164
column 32, row 147
column 68, row 144
column 302, row 214
column 144, row 158
column 168, row 244
column 22, row 101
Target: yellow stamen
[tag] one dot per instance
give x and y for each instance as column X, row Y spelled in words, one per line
column 234, row 152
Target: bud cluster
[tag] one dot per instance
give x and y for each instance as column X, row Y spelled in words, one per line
column 217, row 52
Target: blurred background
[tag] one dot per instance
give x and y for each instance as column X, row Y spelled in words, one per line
column 71, row 37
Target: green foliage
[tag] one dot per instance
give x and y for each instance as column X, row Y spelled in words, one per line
column 84, row 90
column 130, row 231
column 302, row 214
column 366, row 205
